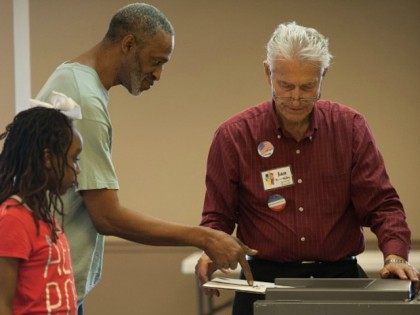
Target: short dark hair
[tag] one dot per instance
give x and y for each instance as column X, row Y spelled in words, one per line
column 22, row 166
column 140, row 19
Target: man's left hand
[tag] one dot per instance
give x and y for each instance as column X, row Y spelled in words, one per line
column 397, row 267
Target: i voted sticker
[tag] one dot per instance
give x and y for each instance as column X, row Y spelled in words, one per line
column 265, row 149
column 276, row 202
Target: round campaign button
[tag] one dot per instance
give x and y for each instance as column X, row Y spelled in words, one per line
column 265, row 149
column 276, row 202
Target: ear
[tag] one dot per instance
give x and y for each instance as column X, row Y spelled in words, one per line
column 128, row 43
column 47, row 159
column 267, row 71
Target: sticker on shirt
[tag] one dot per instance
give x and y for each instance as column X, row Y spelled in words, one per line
column 265, row 149
column 276, row 203
column 277, row 178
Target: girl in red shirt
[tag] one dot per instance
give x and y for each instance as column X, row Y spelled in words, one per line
column 38, row 163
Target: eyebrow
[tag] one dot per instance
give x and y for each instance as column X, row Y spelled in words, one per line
column 285, row 82
column 306, row 83
column 164, row 59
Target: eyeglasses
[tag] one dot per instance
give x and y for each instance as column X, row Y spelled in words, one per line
column 302, row 100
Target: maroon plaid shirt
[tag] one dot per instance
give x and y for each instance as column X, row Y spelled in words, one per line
column 340, row 185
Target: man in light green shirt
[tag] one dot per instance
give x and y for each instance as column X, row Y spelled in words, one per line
column 139, row 41
column 83, row 85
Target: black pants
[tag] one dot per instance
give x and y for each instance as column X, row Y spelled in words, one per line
column 264, row 270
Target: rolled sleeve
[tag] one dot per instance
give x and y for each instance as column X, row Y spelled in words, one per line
column 97, row 169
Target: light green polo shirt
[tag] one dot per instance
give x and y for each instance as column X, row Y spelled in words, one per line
column 83, row 85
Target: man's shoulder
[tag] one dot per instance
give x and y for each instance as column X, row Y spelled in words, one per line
column 76, row 81
column 252, row 114
column 75, row 69
column 83, row 85
column 71, row 72
column 334, row 108
column 336, row 113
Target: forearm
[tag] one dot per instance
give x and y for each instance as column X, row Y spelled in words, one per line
column 111, row 218
column 395, row 247
column 5, row 308
column 217, row 221
column 8, row 283
column 394, row 236
column 141, row 228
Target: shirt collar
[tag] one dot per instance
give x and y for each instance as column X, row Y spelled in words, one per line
column 313, row 122
column 19, row 201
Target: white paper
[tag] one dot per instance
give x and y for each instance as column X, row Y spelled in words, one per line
column 241, row 285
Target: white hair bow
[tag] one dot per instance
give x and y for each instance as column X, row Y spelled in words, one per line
column 63, row 103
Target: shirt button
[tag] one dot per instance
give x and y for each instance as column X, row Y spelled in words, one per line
column 278, row 136
column 310, row 138
column 302, row 239
column 297, row 151
column 299, row 181
column 301, row 209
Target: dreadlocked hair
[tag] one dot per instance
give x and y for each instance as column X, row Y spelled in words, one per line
column 22, row 162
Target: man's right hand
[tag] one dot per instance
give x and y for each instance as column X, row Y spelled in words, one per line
column 223, row 251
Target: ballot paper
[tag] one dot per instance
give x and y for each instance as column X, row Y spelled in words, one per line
column 241, row 285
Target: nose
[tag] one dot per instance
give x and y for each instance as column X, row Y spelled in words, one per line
column 295, row 94
column 157, row 73
column 77, row 169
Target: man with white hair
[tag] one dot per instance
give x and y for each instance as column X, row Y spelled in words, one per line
column 299, row 177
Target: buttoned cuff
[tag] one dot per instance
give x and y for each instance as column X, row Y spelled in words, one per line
column 394, row 247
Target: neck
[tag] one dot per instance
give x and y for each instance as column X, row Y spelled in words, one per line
column 102, row 58
column 296, row 129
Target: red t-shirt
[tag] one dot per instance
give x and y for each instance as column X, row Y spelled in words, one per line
column 45, row 282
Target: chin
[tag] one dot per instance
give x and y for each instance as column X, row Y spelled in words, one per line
column 140, row 90
column 135, row 93
column 297, row 117
column 294, row 118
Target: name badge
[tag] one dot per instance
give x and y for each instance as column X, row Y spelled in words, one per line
column 277, row 178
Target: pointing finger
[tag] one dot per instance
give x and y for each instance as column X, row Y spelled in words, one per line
column 247, row 271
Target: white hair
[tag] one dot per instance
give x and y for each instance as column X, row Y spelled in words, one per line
column 292, row 41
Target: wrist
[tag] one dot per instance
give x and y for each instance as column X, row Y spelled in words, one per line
column 201, row 237
column 394, row 259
